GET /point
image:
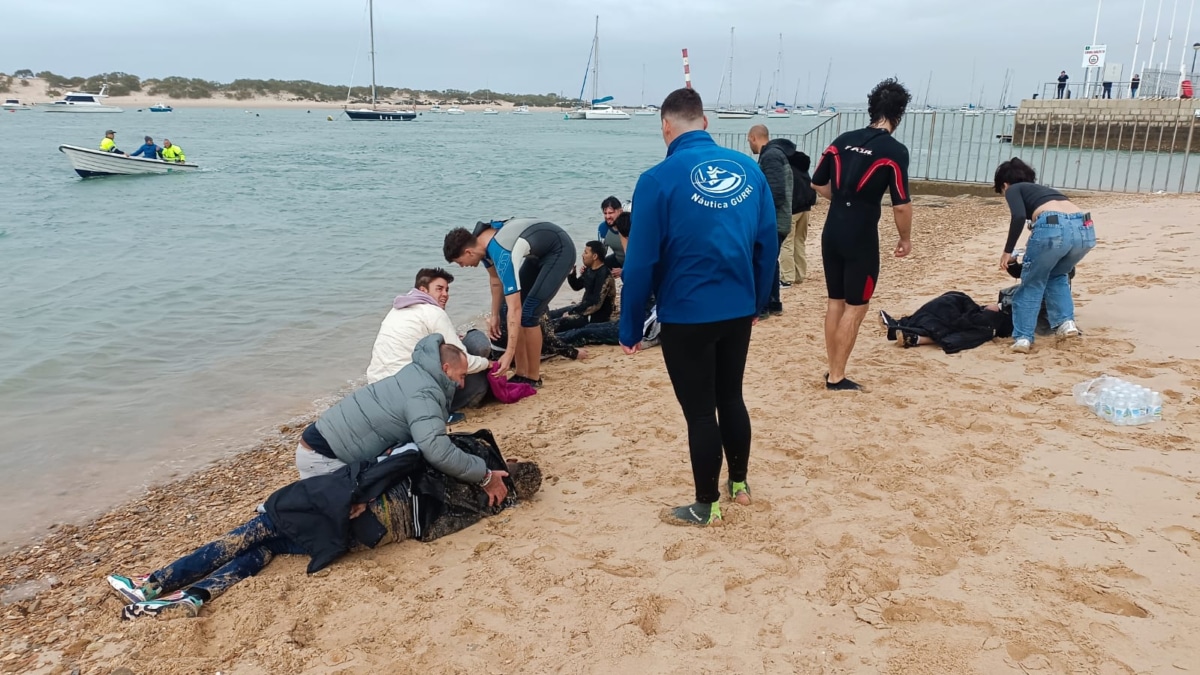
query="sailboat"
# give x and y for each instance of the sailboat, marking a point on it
(645, 110)
(729, 112)
(925, 109)
(830, 111)
(599, 109)
(780, 111)
(374, 113)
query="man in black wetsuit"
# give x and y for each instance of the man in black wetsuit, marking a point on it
(853, 174)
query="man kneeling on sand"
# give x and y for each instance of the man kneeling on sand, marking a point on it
(408, 407)
(365, 504)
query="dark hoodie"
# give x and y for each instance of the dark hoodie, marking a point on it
(773, 160)
(803, 194)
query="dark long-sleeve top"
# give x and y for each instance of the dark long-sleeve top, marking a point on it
(1023, 199)
(599, 292)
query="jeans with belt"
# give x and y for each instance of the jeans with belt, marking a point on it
(1058, 242)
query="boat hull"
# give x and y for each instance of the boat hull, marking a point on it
(381, 115)
(735, 115)
(89, 163)
(67, 108)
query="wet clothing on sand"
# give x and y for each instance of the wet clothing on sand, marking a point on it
(859, 166)
(954, 321)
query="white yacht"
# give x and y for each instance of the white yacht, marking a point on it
(455, 110)
(490, 111)
(436, 109)
(728, 112)
(521, 110)
(13, 104)
(604, 112)
(779, 113)
(82, 102)
(646, 111)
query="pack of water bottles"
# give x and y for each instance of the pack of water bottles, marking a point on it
(1123, 403)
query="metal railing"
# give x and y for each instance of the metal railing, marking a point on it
(1107, 90)
(1148, 155)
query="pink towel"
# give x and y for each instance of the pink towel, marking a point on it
(505, 391)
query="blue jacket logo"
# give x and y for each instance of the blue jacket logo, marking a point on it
(719, 178)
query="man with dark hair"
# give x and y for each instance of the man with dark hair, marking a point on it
(612, 208)
(773, 160)
(528, 260)
(422, 312)
(793, 259)
(599, 292)
(854, 172)
(408, 407)
(705, 246)
(1062, 83)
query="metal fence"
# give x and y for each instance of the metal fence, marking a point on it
(1154, 154)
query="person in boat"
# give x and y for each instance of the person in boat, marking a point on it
(172, 153)
(109, 143)
(365, 505)
(148, 150)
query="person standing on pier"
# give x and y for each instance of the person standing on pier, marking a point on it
(853, 174)
(1134, 83)
(1062, 83)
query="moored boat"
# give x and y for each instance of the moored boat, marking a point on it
(14, 104)
(82, 102)
(161, 107)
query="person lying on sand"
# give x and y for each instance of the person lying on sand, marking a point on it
(952, 321)
(361, 505)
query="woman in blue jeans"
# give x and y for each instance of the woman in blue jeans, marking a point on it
(1062, 234)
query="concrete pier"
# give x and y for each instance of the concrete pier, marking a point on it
(1105, 124)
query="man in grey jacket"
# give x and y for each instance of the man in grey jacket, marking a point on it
(773, 160)
(408, 407)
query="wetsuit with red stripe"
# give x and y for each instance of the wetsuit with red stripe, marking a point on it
(859, 167)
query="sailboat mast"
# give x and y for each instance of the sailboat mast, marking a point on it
(371, 5)
(643, 103)
(730, 77)
(596, 62)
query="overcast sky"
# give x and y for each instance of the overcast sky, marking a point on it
(542, 45)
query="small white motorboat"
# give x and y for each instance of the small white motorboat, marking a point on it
(14, 104)
(82, 102)
(646, 111)
(521, 110)
(161, 107)
(89, 163)
(490, 111)
(455, 110)
(436, 109)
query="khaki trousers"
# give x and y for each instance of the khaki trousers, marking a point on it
(793, 263)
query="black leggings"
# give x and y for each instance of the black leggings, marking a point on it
(706, 362)
(541, 278)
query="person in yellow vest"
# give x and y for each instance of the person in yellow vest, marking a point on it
(172, 153)
(108, 144)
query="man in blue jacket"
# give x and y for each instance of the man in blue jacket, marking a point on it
(148, 150)
(703, 241)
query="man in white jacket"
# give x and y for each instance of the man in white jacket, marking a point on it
(422, 312)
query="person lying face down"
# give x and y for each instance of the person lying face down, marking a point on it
(364, 504)
(952, 321)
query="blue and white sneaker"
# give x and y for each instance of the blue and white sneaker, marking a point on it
(132, 589)
(175, 605)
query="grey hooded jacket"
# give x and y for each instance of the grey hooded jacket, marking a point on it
(410, 406)
(773, 160)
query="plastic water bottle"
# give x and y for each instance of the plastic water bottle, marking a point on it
(1156, 405)
(1121, 410)
(1137, 408)
(1106, 404)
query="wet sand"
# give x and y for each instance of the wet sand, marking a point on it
(962, 516)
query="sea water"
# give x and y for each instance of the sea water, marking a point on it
(152, 324)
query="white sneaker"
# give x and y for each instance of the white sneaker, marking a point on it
(1021, 346)
(1067, 329)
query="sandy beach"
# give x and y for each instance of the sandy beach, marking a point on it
(961, 516)
(35, 93)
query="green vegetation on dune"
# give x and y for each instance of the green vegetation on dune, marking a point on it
(122, 84)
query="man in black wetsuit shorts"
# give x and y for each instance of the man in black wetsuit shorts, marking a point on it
(853, 174)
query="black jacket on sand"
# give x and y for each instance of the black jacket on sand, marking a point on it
(957, 323)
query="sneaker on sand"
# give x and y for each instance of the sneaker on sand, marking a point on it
(697, 515)
(175, 605)
(1067, 329)
(739, 490)
(1021, 346)
(132, 589)
(521, 379)
(785, 284)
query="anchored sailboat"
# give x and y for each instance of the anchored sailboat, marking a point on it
(374, 113)
(728, 112)
(599, 108)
